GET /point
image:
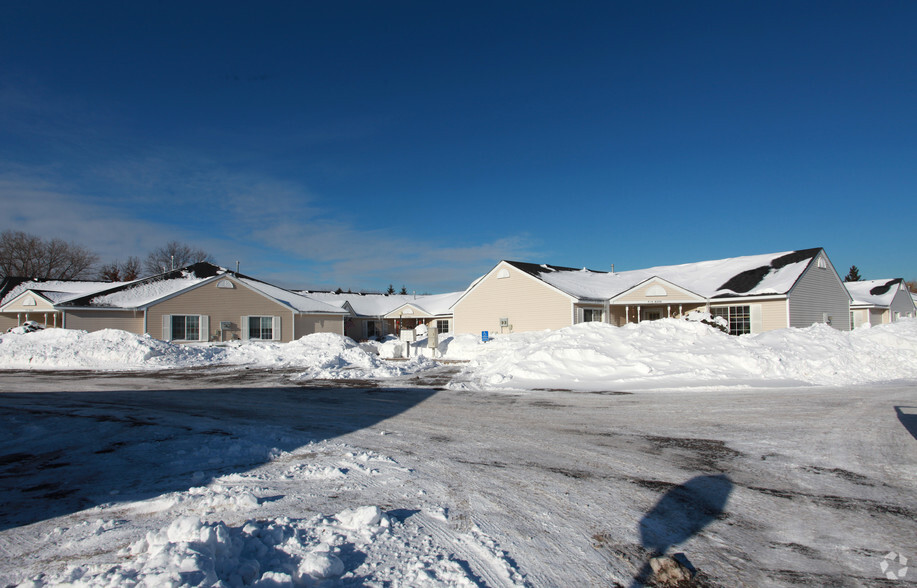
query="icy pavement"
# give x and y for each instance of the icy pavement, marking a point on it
(209, 478)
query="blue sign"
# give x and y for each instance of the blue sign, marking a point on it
(484, 336)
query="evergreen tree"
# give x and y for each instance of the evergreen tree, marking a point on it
(404, 290)
(853, 275)
(391, 289)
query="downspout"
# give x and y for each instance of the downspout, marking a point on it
(293, 314)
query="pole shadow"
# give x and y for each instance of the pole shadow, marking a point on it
(681, 513)
(909, 420)
(63, 452)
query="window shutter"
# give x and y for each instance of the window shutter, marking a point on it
(167, 327)
(275, 329)
(204, 328)
(244, 326)
(757, 322)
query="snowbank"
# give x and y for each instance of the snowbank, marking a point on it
(670, 353)
(322, 355)
(662, 354)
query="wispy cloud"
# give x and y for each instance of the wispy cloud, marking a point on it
(260, 220)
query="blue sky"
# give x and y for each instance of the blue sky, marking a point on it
(357, 144)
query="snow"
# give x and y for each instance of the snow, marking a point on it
(862, 295)
(663, 354)
(57, 290)
(377, 305)
(529, 466)
(704, 278)
(145, 292)
(296, 301)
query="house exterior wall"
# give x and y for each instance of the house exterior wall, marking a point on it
(8, 321)
(306, 324)
(902, 305)
(766, 315)
(859, 317)
(96, 320)
(878, 316)
(644, 295)
(222, 304)
(819, 293)
(17, 305)
(529, 304)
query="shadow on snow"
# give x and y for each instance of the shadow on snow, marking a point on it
(64, 452)
(681, 513)
(909, 420)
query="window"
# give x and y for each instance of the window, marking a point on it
(372, 329)
(442, 326)
(592, 315)
(186, 327)
(261, 327)
(739, 318)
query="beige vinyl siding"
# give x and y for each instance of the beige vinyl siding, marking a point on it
(529, 304)
(7, 322)
(819, 292)
(878, 316)
(306, 324)
(773, 314)
(767, 315)
(41, 305)
(643, 294)
(96, 320)
(221, 304)
(860, 317)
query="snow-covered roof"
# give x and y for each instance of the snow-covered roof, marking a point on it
(375, 305)
(57, 290)
(294, 300)
(874, 292)
(751, 275)
(145, 292)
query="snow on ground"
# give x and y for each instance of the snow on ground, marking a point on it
(664, 354)
(791, 471)
(676, 354)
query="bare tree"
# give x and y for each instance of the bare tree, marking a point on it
(174, 255)
(26, 255)
(117, 271)
(911, 285)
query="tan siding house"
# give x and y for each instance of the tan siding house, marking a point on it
(752, 293)
(877, 302)
(224, 302)
(509, 300)
(204, 302)
(96, 320)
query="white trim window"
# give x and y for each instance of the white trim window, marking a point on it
(261, 328)
(592, 315)
(738, 317)
(442, 326)
(185, 327)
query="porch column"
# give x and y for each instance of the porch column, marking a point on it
(638, 314)
(668, 310)
(626, 314)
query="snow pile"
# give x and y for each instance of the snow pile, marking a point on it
(683, 354)
(105, 349)
(322, 355)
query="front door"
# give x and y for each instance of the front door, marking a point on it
(652, 315)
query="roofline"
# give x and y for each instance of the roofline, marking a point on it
(524, 272)
(660, 278)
